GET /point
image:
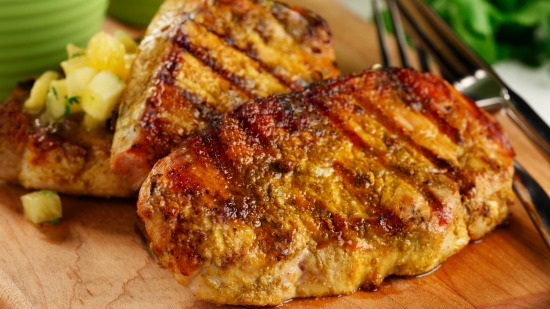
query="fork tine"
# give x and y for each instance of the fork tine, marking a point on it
(381, 33)
(395, 12)
(398, 28)
(399, 32)
(422, 58)
(451, 62)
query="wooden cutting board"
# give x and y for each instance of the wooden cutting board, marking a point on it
(95, 258)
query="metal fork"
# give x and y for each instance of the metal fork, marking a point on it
(532, 196)
(469, 73)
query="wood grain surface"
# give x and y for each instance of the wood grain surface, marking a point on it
(96, 258)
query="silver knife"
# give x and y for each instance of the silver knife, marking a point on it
(535, 200)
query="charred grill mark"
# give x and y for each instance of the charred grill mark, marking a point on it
(332, 112)
(392, 127)
(391, 222)
(359, 184)
(161, 137)
(421, 99)
(435, 203)
(207, 112)
(241, 203)
(329, 227)
(167, 74)
(249, 51)
(333, 115)
(259, 124)
(349, 177)
(493, 129)
(216, 151)
(310, 24)
(245, 13)
(184, 42)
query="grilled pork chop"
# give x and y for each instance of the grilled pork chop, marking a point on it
(201, 58)
(322, 192)
(62, 156)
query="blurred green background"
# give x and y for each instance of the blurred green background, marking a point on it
(501, 29)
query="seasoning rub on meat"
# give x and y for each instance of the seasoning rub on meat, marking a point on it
(324, 191)
(201, 58)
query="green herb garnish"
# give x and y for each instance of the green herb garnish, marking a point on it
(70, 101)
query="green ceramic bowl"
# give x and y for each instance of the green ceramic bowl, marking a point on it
(134, 12)
(34, 34)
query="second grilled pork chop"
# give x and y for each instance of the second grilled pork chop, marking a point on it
(201, 58)
(328, 190)
(61, 156)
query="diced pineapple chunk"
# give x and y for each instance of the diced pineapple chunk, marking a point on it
(75, 51)
(35, 103)
(105, 52)
(84, 89)
(78, 80)
(56, 100)
(129, 43)
(41, 206)
(102, 94)
(73, 64)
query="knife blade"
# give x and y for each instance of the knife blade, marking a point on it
(536, 201)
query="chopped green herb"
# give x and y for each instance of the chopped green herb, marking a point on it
(70, 101)
(73, 100)
(55, 92)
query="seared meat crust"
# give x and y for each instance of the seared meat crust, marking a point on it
(62, 156)
(321, 192)
(201, 58)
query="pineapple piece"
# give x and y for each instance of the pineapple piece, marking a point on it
(102, 94)
(129, 43)
(75, 51)
(35, 103)
(78, 80)
(56, 100)
(41, 206)
(105, 52)
(73, 64)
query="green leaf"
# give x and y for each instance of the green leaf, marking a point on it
(500, 29)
